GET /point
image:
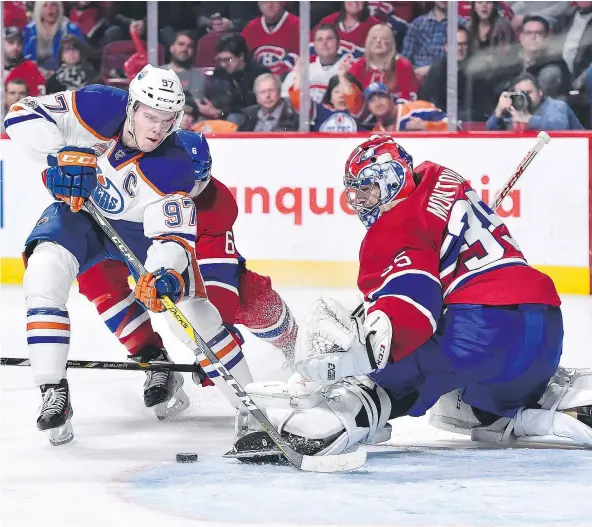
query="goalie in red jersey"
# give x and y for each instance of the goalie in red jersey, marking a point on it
(452, 313)
(240, 295)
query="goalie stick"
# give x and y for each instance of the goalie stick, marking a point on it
(113, 365)
(330, 463)
(543, 139)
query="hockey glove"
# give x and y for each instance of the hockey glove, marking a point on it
(334, 344)
(72, 175)
(151, 287)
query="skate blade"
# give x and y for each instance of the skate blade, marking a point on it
(61, 435)
(174, 406)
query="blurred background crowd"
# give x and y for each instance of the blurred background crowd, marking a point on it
(372, 65)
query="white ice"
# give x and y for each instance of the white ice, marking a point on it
(120, 469)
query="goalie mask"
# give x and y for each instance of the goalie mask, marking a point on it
(378, 175)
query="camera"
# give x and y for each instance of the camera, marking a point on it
(521, 101)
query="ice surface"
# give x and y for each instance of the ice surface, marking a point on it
(120, 469)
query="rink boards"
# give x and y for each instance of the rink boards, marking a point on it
(295, 225)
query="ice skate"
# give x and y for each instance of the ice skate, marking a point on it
(55, 413)
(252, 444)
(163, 390)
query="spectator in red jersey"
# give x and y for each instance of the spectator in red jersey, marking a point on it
(407, 11)
(353, 22)
(15, 15)
(16, 66)
(91, 18)
(488, 28)
(273, 39)
(383, 64)
(396, 15)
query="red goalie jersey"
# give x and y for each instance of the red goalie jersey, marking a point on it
(442, 245)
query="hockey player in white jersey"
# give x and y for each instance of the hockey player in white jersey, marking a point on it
(118, 149)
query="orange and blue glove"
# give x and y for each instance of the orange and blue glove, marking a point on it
(151, 287)
(72, 175)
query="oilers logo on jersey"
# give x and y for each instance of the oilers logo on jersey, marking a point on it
(107, 196)
(339, 122)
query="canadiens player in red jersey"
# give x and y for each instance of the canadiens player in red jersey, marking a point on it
(240, 295)
(451, 306)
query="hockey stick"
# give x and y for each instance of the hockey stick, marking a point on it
(329, 463)
(543, 139)
(99, 365)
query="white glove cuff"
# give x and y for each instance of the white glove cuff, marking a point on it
(379, 334)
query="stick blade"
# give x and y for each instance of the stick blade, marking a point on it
(336, 463)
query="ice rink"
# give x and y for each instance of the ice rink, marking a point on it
(120, 470)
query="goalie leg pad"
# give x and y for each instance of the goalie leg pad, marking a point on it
(320, 421)
(452, 414)
(563, 419)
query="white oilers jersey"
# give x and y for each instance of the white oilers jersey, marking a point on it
(318, 79)
(142, 188)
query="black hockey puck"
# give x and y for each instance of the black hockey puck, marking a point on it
(186, 458)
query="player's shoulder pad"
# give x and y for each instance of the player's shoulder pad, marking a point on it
(169, 167)
(101, 108)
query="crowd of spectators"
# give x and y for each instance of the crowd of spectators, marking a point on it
(374, 65)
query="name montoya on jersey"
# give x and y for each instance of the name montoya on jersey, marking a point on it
(137, 189)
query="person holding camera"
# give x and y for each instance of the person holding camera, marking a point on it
(527, 108)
